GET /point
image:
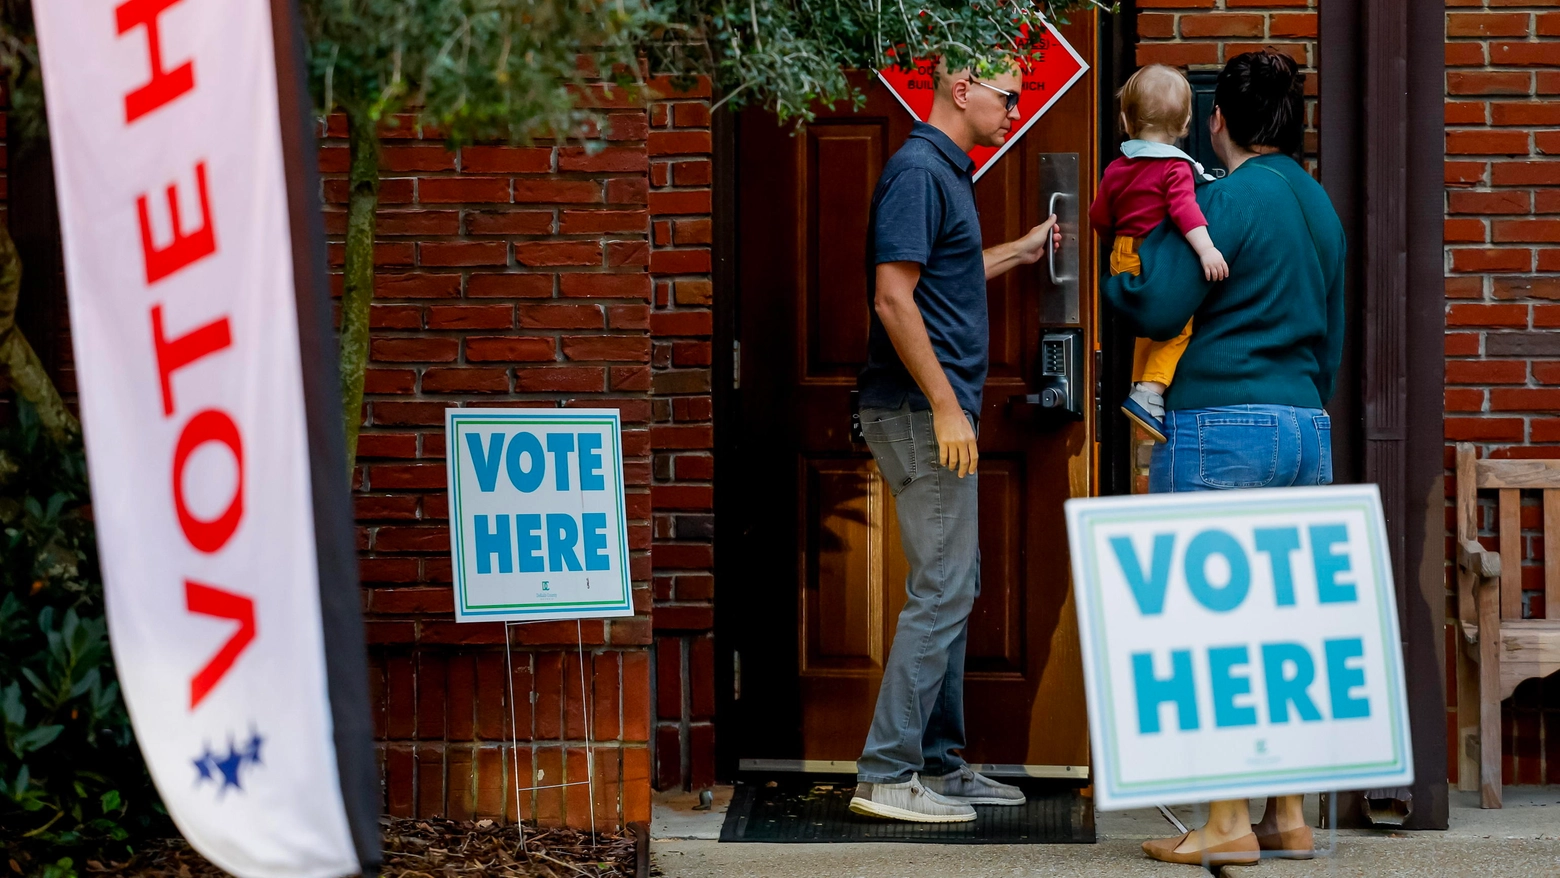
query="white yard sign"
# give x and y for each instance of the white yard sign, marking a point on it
(1239, 644)
(537, 525)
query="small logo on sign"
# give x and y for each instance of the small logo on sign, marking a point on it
(226, 770)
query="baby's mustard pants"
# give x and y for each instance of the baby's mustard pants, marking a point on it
(1151, 360)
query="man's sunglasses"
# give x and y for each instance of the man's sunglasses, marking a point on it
(1011, 96)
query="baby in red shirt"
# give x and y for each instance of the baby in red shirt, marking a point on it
(1151, 181)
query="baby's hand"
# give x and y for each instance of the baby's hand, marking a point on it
(1213, 265)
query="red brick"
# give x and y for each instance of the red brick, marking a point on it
(1487, 315)
(1222, 24)
(1499, 201)
(1486, 372)
(1465, 231)
(1526, 287)
(1548, 260)
(1463, 400)
(384, 507)
(1539, 173)
(693, 114)
(628, 316)
(682, 436)
(388, 569)
(679, 143)
(1476, 24)
(406, 476)
(1546, 201)
(392, 445)
(510, 222)
(1487, 142)
(456, 190)
(692, 201)
(1524, 54)
(606, 347)
(1484, 429)
(1488, 82)
(1465, 287)
(1531, 113)
(1465, 54)
(510, 286)
(1546, 316)
(509, 349)
(557, 191)
(561, 317)
(678, 556)
(557, 253)
(1465, 112)
(456, 253)
(408, 414)
(676, 617)
(619, 159)
(627, 190)
(1534, 230)
(634, 254)
(413, 350)
(669, 323)
(1292, 24)
(626, 126)
(1547, 142)
(1546, 372)
(465, 381)
(1546, 82)
(685, 497)
(1465, 173)
(412, 539)
(591, 222)
(692, 173)
(416, 286)
(1462, 344)
(604, 286)
(505, 160)
(667, 87)
(1546, 430)
(560, 379)
(1175, 4)
(405, 601)
(680, 262)
(389, 381)
(416, 158)
(470, 317)
(1547, 24)
(417, 222)
(1476, 259)
(1523, 399)
(1296, 51)
(1155, 25)
(691, 354)
(1178, 54)
(395, 317)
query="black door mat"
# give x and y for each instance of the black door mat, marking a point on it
(798, 809)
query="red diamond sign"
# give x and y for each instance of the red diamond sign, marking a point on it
(1053, 70)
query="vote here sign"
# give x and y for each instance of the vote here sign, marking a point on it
(537, 527)
(1239, 644)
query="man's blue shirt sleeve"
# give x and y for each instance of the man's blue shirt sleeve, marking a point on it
(909, 215)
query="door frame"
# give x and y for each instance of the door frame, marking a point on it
(1113, 469)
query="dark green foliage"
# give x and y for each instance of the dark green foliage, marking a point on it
(72, 781)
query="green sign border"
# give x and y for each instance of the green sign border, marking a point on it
(459, 418)
(1330, 776)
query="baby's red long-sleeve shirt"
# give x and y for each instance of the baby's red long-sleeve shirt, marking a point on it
(1135, 195)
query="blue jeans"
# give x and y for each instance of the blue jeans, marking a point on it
(1242, 446)
(918, 724)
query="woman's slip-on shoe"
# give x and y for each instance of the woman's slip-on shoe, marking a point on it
(1295, 844)
(1242, 851)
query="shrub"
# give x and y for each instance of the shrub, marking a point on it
(72, 781)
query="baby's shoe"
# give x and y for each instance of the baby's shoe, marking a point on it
(1146, 409)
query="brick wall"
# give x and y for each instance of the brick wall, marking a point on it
(682, 437)
(1503, 292)
(1204, 34)
(512, 277)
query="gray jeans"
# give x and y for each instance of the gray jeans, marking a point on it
(919, 720)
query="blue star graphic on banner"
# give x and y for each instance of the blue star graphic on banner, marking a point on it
(226, 770)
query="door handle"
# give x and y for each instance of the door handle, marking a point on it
(1051, 248)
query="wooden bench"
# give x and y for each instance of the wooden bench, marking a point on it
(1498, 649)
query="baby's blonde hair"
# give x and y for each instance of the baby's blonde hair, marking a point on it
(1157, 98)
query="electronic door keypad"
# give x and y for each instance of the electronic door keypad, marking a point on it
(1059, 378)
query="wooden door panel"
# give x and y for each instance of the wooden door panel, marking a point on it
(824, 566)
(844, 161)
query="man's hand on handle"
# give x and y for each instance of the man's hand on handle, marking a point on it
(1028, 250)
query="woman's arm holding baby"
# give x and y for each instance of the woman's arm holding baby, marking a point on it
(1181, 197)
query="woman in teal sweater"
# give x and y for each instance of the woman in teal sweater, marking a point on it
(1245, 407)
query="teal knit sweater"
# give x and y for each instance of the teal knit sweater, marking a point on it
(1271, 333)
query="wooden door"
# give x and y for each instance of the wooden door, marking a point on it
(822, 571)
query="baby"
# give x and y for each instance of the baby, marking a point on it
(1152, 180)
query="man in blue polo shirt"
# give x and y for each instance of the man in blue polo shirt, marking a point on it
(920, 407)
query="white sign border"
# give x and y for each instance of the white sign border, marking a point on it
(453, 417)
(1108, 796)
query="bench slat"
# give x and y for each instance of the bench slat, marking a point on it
(1519, 473)
(1510, 553)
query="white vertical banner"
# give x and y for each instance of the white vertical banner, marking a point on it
(168, 143)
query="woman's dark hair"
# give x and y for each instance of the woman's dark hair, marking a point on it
(1262, 97)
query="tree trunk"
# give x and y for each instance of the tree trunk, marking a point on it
(358, 280)
(18, 359)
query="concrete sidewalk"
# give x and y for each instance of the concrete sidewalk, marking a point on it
(1521, 840)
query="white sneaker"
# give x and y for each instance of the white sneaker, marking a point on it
(909, 801)
(973, 788)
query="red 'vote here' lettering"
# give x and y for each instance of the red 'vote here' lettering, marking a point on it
(165, 85)
(185, 249)
(175, 354)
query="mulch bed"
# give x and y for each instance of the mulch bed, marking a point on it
(430, 848)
